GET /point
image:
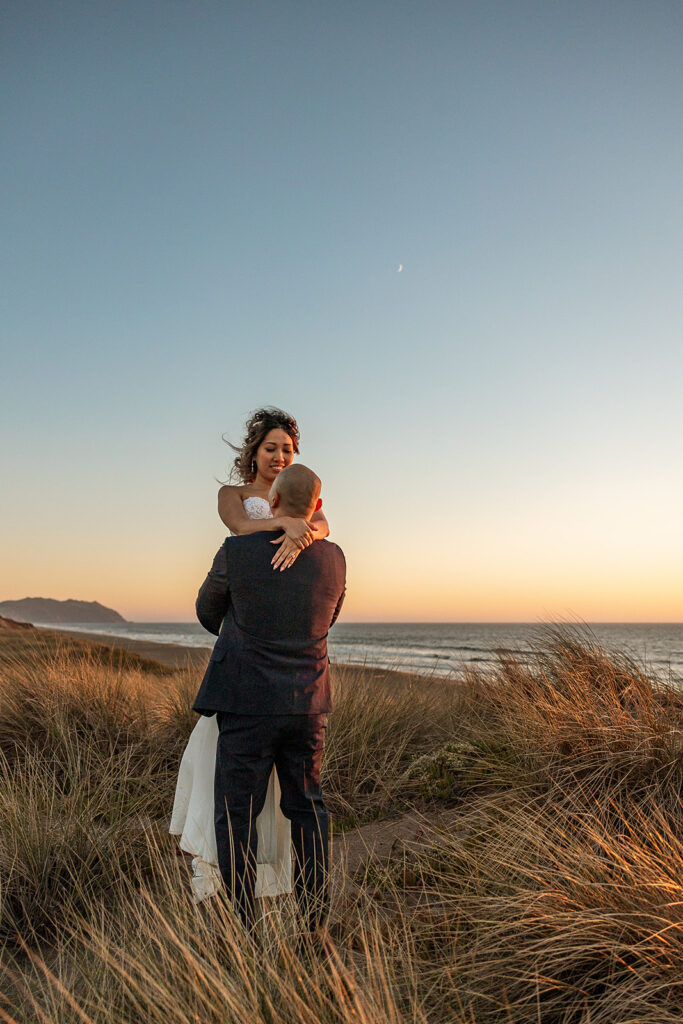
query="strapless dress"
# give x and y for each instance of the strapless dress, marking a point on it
(192, 817)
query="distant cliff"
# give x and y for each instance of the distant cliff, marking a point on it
(46, 610)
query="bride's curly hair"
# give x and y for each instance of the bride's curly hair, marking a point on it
(259, 424)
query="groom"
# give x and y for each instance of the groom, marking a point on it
(268, 681)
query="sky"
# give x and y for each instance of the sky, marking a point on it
(205, 206)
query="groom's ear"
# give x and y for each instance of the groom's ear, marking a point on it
(318, 505)
(274, 500)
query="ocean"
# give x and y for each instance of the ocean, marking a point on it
(440, 648)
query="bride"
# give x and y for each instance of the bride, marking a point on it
(271, 441)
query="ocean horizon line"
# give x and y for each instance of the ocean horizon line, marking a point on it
(423, 622)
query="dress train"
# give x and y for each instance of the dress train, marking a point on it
(193, 820)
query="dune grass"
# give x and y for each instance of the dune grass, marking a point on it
(555, 894)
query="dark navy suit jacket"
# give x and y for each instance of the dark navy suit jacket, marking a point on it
(271, 654)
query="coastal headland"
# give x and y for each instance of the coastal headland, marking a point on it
(48, 611)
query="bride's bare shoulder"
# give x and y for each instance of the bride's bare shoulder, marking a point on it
(231, 503)
(230, 490)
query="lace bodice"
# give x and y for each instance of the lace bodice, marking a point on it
(257, 508)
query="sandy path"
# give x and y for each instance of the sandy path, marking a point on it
(379, 840)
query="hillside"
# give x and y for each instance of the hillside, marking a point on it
(13, 624)
(47, 610)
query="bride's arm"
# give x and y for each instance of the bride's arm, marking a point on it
(322, 527)
(288, 550)
(231, 511)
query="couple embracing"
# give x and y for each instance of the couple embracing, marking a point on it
(248, 790)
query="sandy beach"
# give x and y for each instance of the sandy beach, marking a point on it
(171, 655)
(177, 656)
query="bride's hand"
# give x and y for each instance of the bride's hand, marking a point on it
(299, 533)
(286, 555)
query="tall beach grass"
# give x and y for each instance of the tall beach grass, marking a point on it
(554, 894)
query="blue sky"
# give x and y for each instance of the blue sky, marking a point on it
(205, 206)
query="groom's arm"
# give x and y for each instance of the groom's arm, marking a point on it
(342, 595)
(213, 599)
(340, 602)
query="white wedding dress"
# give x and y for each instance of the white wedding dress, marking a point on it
(193, 808)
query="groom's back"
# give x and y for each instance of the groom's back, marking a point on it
(295, 605)
(271, 654)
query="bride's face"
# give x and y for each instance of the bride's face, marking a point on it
(275, 452)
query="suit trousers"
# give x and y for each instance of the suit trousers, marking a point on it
(248, 747)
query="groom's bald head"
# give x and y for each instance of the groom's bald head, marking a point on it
(295, 492)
